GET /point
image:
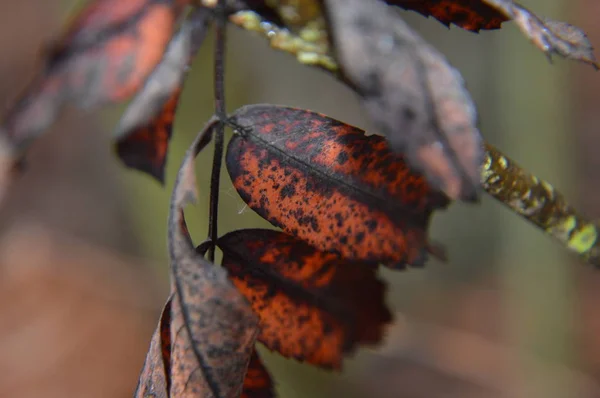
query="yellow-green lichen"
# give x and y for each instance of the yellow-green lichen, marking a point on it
(311, 52)
(583, 240)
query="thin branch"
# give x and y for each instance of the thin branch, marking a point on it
(221, 113)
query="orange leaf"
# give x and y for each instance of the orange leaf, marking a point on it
(145, 129)
(105, 56)
(313, 306)
(331, 185)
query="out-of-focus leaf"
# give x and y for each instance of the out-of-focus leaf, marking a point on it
(145, 129)
(411, 92)
(212, 327)
(155, 376)
(145, 147)
(548, 35)
(258, 383)
(105, 56)
(471, 15)
(313, 306)
(329, 184)
(552, 37)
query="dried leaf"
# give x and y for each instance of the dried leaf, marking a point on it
(155, 373)
(212, 327)
(145, 129)
(330, 185)
(145, 146)
(548, 35)
(552, 37)
(413, 95)
(105, 56)
(313, 306)
(258, 383)
(472, 15)
(154, 379)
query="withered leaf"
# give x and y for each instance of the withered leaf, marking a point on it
(552, 37)
(313, 306)
(258, 383)
(331, 185)
(212, 327)
(471, 15)
(548, 35)
(411, 92)
(105, 56)
(145, 129)
(154, 379)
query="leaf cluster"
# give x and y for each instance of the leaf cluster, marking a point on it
(344, 202)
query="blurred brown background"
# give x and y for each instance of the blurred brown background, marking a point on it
(83, 270)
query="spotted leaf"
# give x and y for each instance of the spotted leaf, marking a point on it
(331, 185)
(313, 306)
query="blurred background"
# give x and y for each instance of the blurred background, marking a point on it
(83, 262)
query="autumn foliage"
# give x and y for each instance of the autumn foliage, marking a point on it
(346, 202)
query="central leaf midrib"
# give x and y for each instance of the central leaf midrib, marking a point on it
(397, 208)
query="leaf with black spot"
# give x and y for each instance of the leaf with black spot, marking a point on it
(313, 306)
(329, 184)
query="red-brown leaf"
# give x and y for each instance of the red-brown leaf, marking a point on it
(145, 129)
(105, 56)
(331, 185)
(155, 376)
(258, 383)
(313, 306)
(471, 15)
(145, 147)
